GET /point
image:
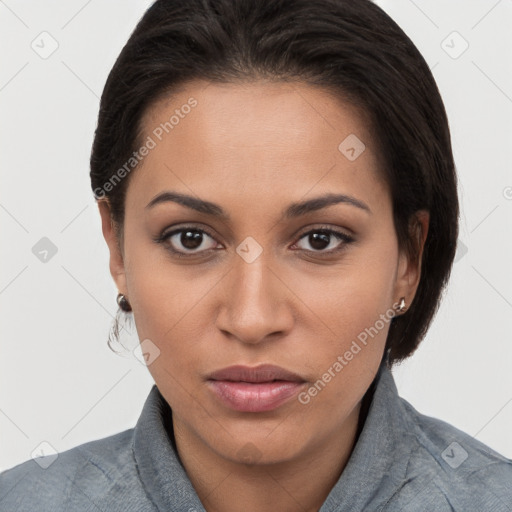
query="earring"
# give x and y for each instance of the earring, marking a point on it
(123, 302)
(401, 307)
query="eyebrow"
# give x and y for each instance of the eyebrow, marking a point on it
(294, 210)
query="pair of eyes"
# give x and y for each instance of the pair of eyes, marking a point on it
(194, 240)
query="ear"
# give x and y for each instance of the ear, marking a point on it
(117, 269)
(409, 263)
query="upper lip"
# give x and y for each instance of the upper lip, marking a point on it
(261, 373)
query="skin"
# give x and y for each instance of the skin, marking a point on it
(253, 149)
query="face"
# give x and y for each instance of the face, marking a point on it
(278, 249)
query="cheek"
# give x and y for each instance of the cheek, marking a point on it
(161, 293)
(167, 306)
(348, 334)
(168, 311)
(168, 303)
(351, 296)
(352, 313)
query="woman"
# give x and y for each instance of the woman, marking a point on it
(278, 194)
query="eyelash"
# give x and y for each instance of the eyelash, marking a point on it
(343, 237)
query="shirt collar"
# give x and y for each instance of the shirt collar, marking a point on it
(377, 464)
(162, 475)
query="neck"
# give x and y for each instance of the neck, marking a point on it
(299, 483)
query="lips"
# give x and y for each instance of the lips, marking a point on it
(262, 373)
(254, 389)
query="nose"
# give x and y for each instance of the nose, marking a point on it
(255, 303)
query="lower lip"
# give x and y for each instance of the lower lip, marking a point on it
(254, 397)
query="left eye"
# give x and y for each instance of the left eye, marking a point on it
(322, 239)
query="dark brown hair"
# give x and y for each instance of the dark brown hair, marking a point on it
(352, 48)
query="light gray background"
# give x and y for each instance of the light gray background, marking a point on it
(60, 383)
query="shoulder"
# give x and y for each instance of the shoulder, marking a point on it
(448, 467)
(77, 479)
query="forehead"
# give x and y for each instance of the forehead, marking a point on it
(260, 136)
(267, 113)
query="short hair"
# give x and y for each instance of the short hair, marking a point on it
(352, 48)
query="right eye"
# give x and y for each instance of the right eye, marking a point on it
(187, 241)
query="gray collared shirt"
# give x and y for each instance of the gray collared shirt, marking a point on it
(402, 461)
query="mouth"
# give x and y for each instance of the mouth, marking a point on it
(254, 389)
